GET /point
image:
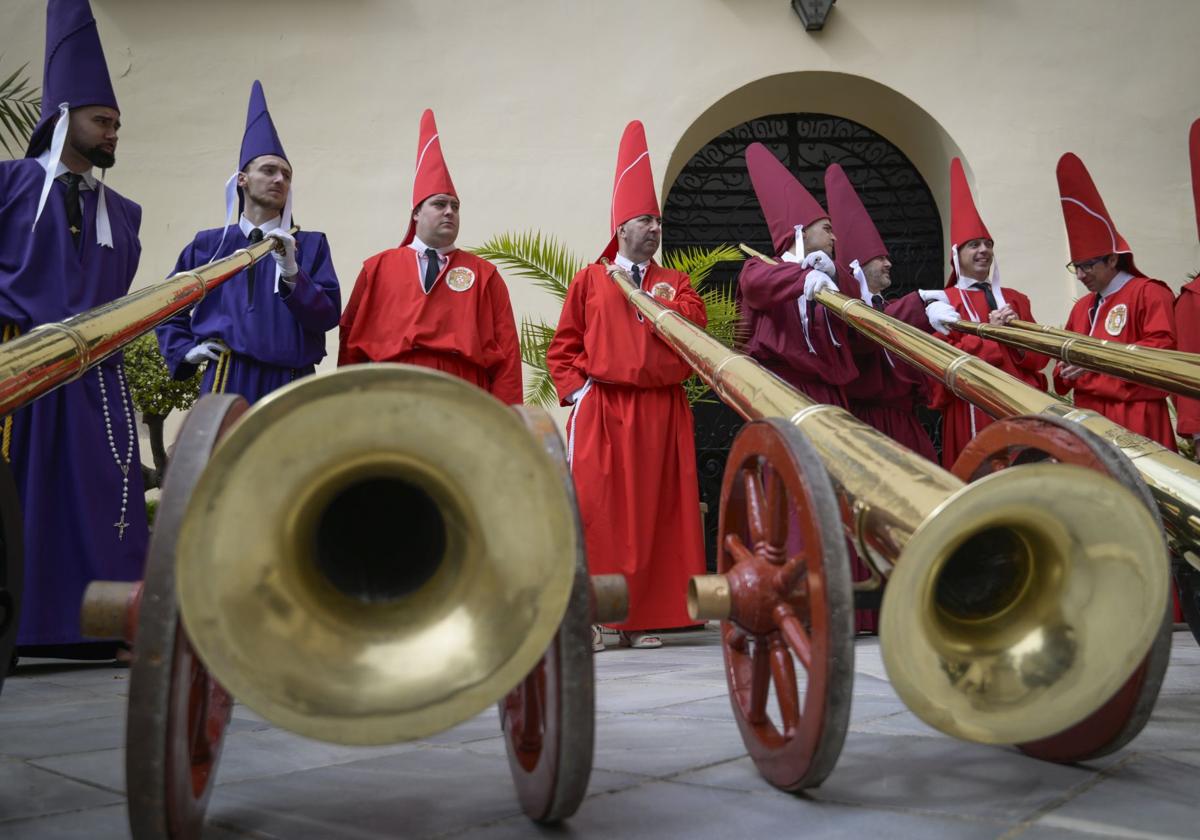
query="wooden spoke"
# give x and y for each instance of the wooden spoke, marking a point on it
(783, 673)
(797, 640)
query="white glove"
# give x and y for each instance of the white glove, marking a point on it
(930, 295)
(941, 315)
(286, 260)
(207, 349)
(821, 262)
(815, 281)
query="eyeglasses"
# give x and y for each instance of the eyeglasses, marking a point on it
(1086, 265)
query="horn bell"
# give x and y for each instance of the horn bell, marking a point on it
(998, 621)
(375, 554)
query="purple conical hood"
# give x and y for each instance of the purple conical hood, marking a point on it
(260, 137)
(76, 72)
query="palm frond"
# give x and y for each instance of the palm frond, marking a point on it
(540, 391)
(535, 340)
(724, 317)
(698, 263)
(20, 107)
(542, 259)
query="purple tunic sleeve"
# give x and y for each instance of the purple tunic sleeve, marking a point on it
(315, 298)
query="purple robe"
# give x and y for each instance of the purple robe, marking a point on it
(274, 337)
(68, 479)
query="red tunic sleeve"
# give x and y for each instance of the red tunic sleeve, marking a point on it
(566, 357)
(505, 369)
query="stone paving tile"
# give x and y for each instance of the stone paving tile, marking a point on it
(635, 695)
(930, 775)
(415, 794)
(714, 708)
(68, 736)
(1072, 829)
(246, 755)
(665, 810)
(1144, 794)
(650, 746)
(27, 791)
(108, 823)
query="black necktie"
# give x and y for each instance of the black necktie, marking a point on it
(1092, 312)
(256, 235)
(74, 210)
(877, 302)
(636, 272)
(986, 288)
(432, 268)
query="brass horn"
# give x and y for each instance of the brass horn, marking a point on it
(1017, 604)
(375, 554)
(1171, 370)
(53, 354)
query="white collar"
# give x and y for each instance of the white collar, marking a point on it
(89, 179)
(52, 159)
(420, 247)
(266, 227)
(1116, 284)
(626, 263)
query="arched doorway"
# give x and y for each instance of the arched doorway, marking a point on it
(712, 202)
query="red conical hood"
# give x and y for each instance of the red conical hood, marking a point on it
(784, 200)
(857, 236)
(431, 176)
(633, 185)
(1090, 230)
(965, 222)
(1194, 153)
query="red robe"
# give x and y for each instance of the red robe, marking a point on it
(1142, 312)
(464, 326)
(961, 421)
(631, 443)
(888, 389)
(1187, 323)
(770, 297)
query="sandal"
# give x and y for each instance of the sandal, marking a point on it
(597, 639)
(640, 641)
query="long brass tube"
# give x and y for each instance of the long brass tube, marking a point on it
(1170, 370)
(897, 504)
(1173, 480)
(53, 354)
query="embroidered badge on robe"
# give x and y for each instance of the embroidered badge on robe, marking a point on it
(663, 291)
(460, 279)
(1117, 316)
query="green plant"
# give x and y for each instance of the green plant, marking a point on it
(20, 106)
(550, 265)
(155, 395)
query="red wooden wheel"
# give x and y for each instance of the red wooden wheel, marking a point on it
(1020, 440)
(177, 713)
(782, 550)
(549, 718)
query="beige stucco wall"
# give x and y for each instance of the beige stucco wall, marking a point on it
(531, 97)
